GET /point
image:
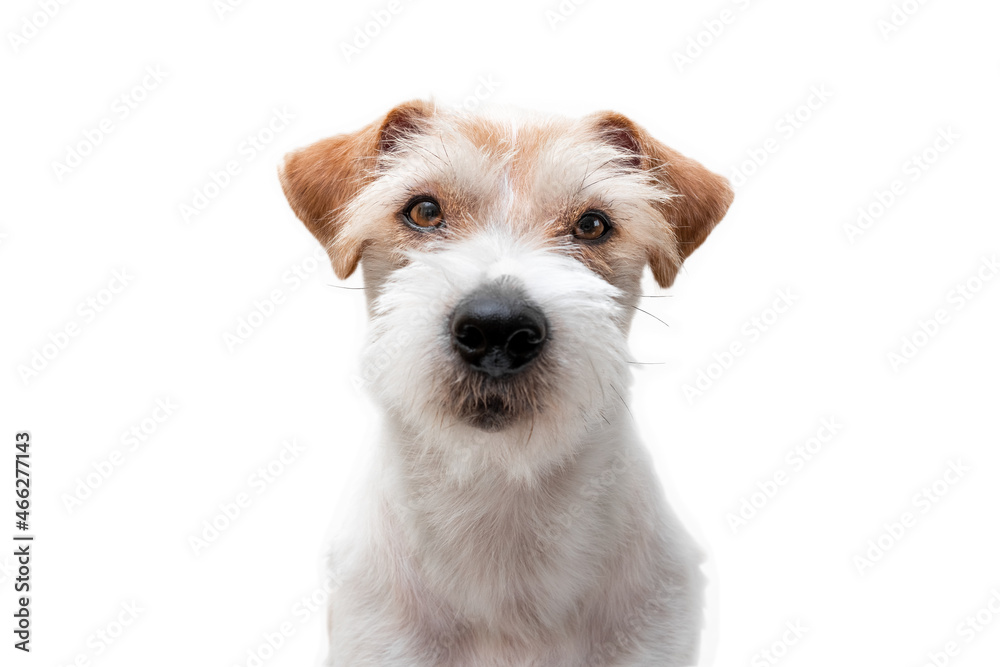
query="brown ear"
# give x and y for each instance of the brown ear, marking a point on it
(320, 180)
(700, 199)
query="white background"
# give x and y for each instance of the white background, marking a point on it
(887, 96)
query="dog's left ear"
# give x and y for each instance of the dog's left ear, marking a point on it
(320, 180)
(699, 198)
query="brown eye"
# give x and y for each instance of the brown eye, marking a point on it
(591, 226)
(424, 214)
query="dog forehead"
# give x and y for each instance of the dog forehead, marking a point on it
(526, 151)
(516, 139)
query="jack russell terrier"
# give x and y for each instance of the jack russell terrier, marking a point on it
(512, 516)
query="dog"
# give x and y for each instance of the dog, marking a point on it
(512, 516)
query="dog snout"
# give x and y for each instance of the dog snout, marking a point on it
(498, 331)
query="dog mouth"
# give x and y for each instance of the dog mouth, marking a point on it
(489, 414)
(493, 404)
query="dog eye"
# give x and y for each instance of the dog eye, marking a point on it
(591, 226)
(424, 214)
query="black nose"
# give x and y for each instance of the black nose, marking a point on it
(496, 331)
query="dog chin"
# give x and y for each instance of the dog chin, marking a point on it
(492, 404)
(491, 417)
(490, 414)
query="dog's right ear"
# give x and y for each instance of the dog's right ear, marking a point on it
(320, 180)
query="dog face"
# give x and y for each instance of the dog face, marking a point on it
(502, 260)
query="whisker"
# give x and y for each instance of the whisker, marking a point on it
(622, 400)
(427, 151)
(652, 315)
(590, 172)
(600, 180)
(649, 296)
(648, 363)
(445, 149)
(597, 376)
(342, 286)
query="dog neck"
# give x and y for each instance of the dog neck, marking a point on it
(477, 534)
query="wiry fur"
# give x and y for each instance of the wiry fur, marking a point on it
(537, 537)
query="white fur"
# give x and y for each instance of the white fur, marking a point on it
(544, 544)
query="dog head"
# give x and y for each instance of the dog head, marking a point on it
(502, 259)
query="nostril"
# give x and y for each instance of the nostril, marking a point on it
(470, 337)
(524, 343)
